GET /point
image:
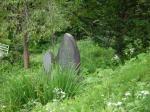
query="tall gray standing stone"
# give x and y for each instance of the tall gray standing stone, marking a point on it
(47, 61)
(68, 54)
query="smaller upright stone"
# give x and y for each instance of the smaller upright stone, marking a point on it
(1, 54)
(47, 61)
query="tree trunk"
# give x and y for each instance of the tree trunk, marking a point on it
(26, 51)
(120, 45)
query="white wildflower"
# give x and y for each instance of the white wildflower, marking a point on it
(55, 100)
(59, 93)
(55, 90)
(124, 99)
(3, 106)
(102, 95)
(145, 92)
(109, 103)
(139, 95)
(116, 57)
(126, 53)
(127, 93)
(62, 94)
(118, 104)
(142, 94)
(131, 50)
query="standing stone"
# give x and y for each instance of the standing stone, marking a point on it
(47, 61)
(68, 54)
(1, 54)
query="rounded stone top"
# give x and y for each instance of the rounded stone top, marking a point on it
(68, 35)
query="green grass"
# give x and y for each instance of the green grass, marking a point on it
(98, 88)
(127, 89)
(93, 56)
(23, 91)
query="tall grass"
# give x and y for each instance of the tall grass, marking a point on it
(24, 91)
(126, 89)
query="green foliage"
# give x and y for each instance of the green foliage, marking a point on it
(125, 89)
(43, 19)
(39, 19)
(93, 56)
(23, 91)
(116, 31)
(128, 27)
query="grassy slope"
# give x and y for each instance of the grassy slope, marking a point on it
(124, 90)
(102, 87)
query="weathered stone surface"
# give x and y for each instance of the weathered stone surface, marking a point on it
(47, 61)
(1, 54)
(68, 54)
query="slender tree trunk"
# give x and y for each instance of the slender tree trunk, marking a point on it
(25, 38)
(122, 28)
(26, 51)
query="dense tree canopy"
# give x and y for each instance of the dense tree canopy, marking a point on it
(123, 25)
(38, 20)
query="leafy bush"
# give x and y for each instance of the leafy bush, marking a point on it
(93, 56)
(24, 91)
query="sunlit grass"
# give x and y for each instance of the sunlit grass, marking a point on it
(24, 91)
(127, 89)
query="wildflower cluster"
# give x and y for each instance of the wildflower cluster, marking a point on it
(116, 104)
(116, 59)
(126, 99)
(127, 94)
(59, 94)
(130, 52)
(3, 106)
(142, 94)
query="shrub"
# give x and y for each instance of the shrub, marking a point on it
(93, 56)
